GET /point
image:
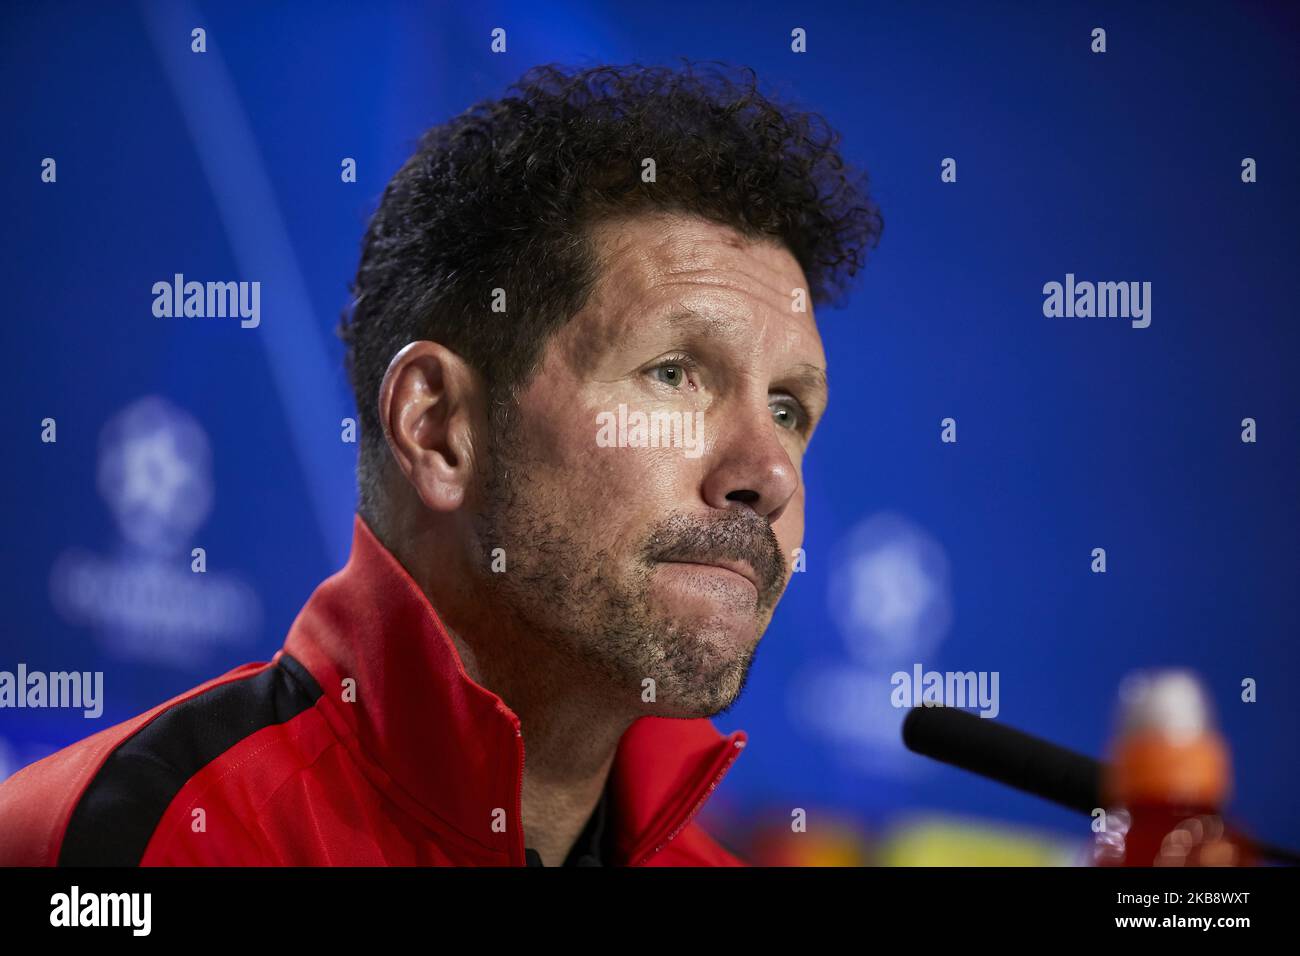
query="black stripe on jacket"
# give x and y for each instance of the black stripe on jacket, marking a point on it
(125, 801)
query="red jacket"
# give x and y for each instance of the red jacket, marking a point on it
(269, 764)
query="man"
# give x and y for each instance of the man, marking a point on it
(587, 371)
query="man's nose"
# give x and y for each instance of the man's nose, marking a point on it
(749, 464)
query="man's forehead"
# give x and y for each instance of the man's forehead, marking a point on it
(695, 276)
(638, 253)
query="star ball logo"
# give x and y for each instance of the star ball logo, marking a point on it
(889, 595)
(146, 600)
(154, 472)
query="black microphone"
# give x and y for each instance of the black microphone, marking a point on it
(1009, 756)
(1028, 763)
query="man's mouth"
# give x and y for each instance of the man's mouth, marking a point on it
(741, 569)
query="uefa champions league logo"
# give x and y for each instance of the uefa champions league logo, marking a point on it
(889, 592)
(890, 598)
(155, 473)
(146, 601)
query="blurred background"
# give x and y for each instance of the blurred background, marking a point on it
(1073, 434)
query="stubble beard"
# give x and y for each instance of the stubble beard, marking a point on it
(590, 613)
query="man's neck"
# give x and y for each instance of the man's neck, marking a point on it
(569, 738)
(570, 730)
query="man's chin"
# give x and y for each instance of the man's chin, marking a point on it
(689, 703)
(717, 641)
(703, 668)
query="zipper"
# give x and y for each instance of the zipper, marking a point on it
(519, 800)
(717, 779)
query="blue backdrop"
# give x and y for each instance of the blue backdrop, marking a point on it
(1073, 434)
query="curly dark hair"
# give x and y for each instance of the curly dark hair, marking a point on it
(504, 195)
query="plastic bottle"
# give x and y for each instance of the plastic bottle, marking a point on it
(1168, 777)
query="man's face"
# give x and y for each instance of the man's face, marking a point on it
(612, 544)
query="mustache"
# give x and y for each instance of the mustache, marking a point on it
(739, 535)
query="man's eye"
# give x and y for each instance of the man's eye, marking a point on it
(672, 375)
(674, 371)
(789, 414)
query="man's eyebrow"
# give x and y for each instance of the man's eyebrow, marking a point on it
(811, 379)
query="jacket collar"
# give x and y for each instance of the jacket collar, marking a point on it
(451, 751)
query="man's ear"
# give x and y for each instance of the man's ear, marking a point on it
(430, 404)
